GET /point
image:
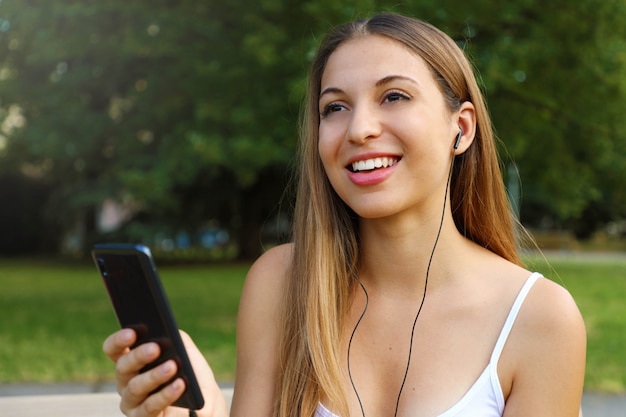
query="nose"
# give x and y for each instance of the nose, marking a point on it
(364, 125)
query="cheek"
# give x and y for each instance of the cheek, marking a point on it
(327, 165)
(327, 147)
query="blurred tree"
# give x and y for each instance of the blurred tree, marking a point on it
(21, 218)
(555, 77)
(186, 111)
(146, 102)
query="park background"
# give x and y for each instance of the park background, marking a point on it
(174, 123)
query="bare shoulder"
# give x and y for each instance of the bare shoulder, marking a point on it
(551, 311)
(265, 281)
(553, 327)
(258, 327)
(271, 267)
(261, 297)
(548, 343)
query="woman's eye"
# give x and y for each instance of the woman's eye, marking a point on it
(332, 108)
(395, 96)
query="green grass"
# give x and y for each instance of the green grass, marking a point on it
(54, 317)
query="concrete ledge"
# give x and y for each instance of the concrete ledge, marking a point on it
(69, 405)
(106, 404)
(73, 405)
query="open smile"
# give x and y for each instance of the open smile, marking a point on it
(372, 164)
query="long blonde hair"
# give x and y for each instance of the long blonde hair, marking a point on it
(325, 230)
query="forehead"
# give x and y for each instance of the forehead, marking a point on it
(372, 57)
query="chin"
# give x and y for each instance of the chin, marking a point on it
(375, 212)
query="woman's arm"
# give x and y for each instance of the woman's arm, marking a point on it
(548, 349)
(258, 334)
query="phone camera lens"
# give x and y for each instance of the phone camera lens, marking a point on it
(102, 267)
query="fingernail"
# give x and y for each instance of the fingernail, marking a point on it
(166, 367)
(127, 335)
(150, 349)
(176, 385)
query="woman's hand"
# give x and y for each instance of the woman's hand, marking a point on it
(135, 387)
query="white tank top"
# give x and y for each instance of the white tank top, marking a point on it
(484, 398)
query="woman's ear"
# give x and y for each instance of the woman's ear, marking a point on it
(466, 122)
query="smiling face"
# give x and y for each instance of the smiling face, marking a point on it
(385, 132)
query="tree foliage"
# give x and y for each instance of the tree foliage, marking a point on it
(554, 75)
(186, 111)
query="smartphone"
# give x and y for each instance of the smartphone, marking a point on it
(140, 303)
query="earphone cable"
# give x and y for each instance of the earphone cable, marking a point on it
(408, 362)
(430, 260)
(356, 326)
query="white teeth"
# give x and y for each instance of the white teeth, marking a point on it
(370, 164)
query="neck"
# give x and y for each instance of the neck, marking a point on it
(400, 251)
(395, 253)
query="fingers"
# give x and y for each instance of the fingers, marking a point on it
(130, 364)
(136, 395)
(138, 391)
(119, 343)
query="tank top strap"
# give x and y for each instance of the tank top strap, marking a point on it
(510, 320)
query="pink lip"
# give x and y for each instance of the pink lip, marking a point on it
(374, 177)
(371, 177)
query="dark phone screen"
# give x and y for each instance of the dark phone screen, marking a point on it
(134, 303)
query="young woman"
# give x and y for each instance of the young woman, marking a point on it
(402, 292)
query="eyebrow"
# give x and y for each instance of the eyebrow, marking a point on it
(381, 82)
(390, 78)
(331, 90)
